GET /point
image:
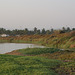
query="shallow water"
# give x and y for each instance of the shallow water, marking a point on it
(8, 47)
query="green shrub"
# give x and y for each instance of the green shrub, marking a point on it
(37, 51)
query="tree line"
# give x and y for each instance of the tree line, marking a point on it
(35, 31)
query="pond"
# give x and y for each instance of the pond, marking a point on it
(8, 47)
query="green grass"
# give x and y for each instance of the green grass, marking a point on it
(67, 68)
(28, 65)
(3, 41)
(37, 51)
(37, 65)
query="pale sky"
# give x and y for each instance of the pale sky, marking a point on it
(37, 13)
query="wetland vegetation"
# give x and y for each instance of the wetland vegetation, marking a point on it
(58, 59)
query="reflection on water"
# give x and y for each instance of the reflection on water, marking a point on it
(8, 47)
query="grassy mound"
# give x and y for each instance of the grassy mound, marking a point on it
(37, 51)
(43, 61)
(28, 65)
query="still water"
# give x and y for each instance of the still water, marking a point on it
(8, 47)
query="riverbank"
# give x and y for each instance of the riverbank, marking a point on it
(47, 52)
(55, 40)
(66, 57)
(40, 61)
(8, 47)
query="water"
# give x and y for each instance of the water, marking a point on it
(8, 47)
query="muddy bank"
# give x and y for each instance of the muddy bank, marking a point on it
(15, 52)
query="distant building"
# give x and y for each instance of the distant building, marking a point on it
(4, 35)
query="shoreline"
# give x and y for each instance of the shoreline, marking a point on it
(14, 53)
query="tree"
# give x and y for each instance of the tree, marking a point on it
(52, 30)
(38, 32)
(43, 31)
(73, 29)
(64, 29)
(15, 32)
(48, 32)
(35, 30)
(2, 30)
(26, 31)
(68, 29)
(8, 32)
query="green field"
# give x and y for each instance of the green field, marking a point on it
(28, 65)
(38, 61)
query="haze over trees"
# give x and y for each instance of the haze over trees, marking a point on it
(35, 31)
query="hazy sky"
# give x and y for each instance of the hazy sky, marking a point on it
(37, 13)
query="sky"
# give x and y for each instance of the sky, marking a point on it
(20, 14)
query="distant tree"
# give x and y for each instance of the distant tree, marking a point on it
(21, 32)
(8, 32)
(2, 30)
(68, 29)
(64, 29)
(15, 32)
(48, 32)
(30, 32)
(35, 30)
(38, 32)
(52, 30)
(26, 31)
(43, 31)
(73, 29)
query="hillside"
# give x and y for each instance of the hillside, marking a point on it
(55, 40)
(53, 61)
(59, 59)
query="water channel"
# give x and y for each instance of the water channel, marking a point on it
(8, 47)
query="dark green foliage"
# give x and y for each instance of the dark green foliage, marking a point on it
(52, 30)
(73, 29)
(43, 31)
(32, 32)
(68, 29)
(37, 51)
(48, 32)
(35, 30)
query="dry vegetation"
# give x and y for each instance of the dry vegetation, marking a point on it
(55, 40)
(56, 61)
